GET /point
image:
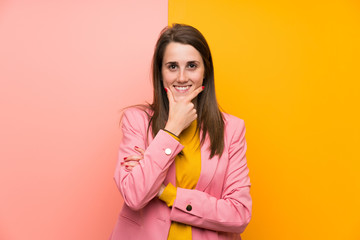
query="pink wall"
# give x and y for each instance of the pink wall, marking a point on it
(66, 69)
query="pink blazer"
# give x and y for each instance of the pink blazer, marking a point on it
(218, 208)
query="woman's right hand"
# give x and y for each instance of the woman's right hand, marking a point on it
(131, 161)
(181, 113)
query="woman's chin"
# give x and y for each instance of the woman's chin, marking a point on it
(179, 97)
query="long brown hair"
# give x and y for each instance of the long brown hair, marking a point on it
(210, 119)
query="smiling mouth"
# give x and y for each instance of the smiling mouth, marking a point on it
(182, 88)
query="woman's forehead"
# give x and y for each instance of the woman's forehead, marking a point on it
(178, 52)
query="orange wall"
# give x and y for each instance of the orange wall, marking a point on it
(290, 69)
(66, 69)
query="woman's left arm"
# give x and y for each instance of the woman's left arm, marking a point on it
(230, 213)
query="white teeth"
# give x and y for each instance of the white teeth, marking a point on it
(182, 88)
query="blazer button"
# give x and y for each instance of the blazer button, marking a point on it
(189, 208)
(168, 151)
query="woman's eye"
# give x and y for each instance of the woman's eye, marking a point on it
(192, 65)
(172, 66)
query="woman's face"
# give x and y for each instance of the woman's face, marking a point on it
(182, 69)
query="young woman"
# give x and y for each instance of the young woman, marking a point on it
(182, 169)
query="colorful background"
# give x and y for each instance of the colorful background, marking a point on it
(290, 69)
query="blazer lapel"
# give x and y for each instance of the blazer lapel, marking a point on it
(208, 166)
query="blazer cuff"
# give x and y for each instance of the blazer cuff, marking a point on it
(173, 135)
(165, 148)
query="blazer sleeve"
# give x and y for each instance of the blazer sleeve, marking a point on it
(143, 182)
(230, 213)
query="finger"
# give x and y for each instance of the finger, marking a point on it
(193, 94)
(169, 95)
(128, 168)
(131, 164)
(133, 158)
(140, 150)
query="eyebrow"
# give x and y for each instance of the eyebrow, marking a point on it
(192, 61)
(170, 63)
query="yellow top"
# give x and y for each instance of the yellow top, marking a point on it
(188, 166)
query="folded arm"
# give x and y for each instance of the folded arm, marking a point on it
(143, 182)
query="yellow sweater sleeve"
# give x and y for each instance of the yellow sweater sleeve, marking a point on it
(168, 195)
(173, 135)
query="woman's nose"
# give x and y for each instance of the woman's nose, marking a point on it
(182, 76)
